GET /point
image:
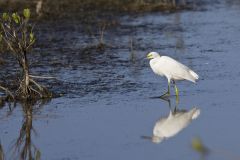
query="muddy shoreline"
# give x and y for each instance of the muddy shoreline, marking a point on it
(84, 9)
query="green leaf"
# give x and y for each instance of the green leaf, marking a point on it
(26, 13)
(16, 17)
(32, 37)
(5, 16)
(1, 37)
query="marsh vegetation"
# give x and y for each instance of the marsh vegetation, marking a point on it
(18, 38)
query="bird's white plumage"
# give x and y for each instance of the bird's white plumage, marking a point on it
(169, 126)
(172, 69)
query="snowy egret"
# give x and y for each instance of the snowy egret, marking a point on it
(171, 125)
(171, 69)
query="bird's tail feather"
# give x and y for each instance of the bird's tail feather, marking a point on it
(196, 113)
(195, 76)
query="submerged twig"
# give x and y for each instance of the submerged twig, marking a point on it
(42, 77)
(7, 91)
(132, 53)
(1, 152)
(36, 91)
(38, 85)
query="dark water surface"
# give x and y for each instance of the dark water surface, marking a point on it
(108, 104)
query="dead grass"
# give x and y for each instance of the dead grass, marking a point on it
(52, 9)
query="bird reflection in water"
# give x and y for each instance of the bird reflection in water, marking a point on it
(172, 124)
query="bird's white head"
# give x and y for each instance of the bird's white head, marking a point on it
(153, 55)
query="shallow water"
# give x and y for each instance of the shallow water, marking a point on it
(108, 103)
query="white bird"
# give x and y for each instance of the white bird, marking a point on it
(167, 127)
(171, 69)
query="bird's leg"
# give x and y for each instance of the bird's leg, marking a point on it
(177, 100)
(176, 90)
(176, 105)
(168, 92)
(168, 88)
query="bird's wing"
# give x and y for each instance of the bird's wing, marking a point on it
(173, 68)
